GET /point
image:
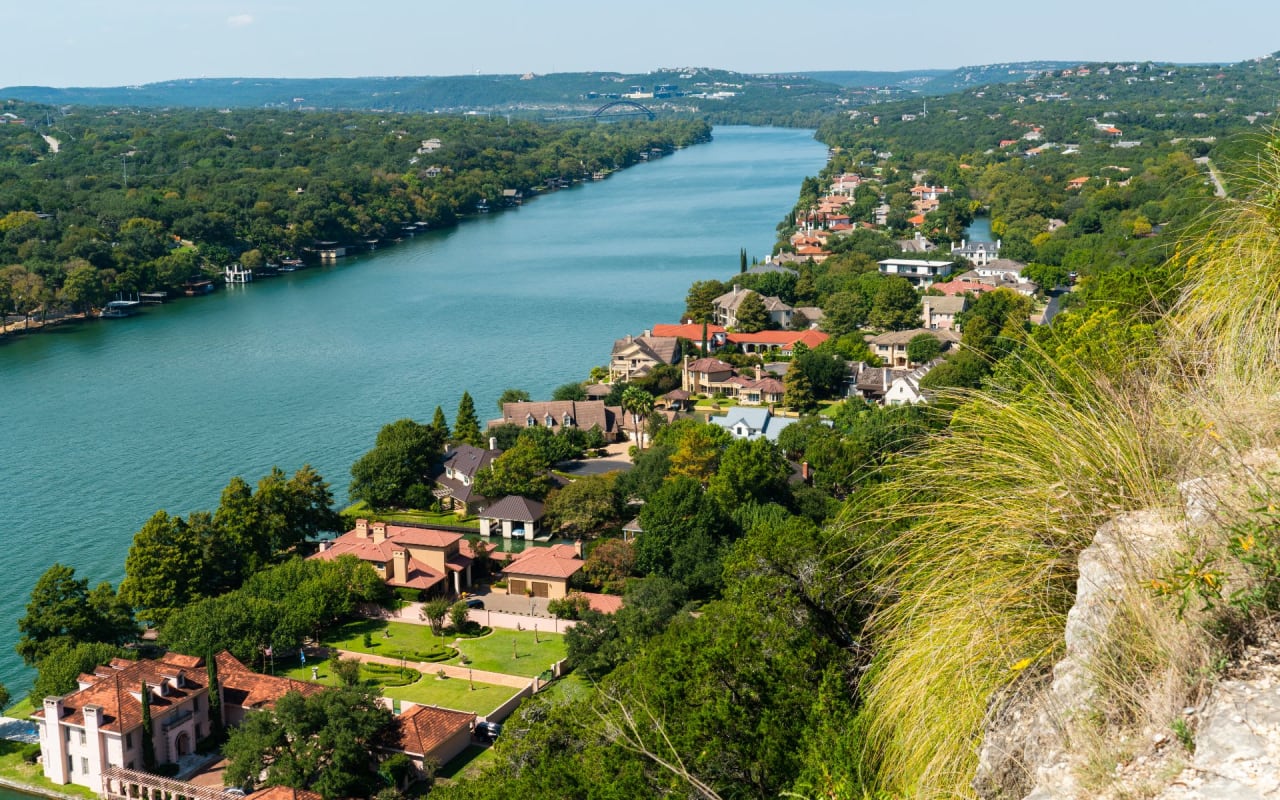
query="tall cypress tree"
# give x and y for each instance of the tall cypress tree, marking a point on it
(215, 697)
(466, 425)
(148, 742)
(439, 425)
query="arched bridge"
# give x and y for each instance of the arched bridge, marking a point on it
(621, 108)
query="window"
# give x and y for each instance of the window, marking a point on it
(84, 765)
(71, 764)
(82, 738)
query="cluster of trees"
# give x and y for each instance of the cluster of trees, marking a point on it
(143, 200)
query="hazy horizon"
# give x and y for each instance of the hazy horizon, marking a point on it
(82, 43)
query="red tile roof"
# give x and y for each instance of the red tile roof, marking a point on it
(243, 687)
(557, 561)
(604, 603)
(689, 330)
(422, 729)
(811, 339)
(709, 365)
(117, 688)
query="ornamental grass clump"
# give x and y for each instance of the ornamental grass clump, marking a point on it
(973, 552)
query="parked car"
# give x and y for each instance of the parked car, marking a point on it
(475, 602)
(488, 731)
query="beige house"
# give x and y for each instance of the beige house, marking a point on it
(726, 308)
(557, 414)
(939, 313)
(636, 356)
(891, 347)
(417, 558)
(428, 733)
(543, 571)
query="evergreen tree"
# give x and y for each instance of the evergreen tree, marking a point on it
(466, 425)
(148, 741)
(215, 696)
(742, 260)
(799, 392)
(752, 316)
(439, 425)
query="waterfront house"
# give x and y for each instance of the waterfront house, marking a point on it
(636, 356)
(557, 414)
(782, 341)
(543, 571)
(694, 331)
(978, 253)
(726, 308)
(707, 376)
(426, 559)
(454, 482)
(89, 734)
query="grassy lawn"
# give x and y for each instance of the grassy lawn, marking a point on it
(21, 709)
(467, 764)
(15, 769)
(325, 676)
(456, 693)
(389, 639)
(566, 689)
(423, 517)
(494, 652)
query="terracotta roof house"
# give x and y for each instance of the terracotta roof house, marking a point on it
(892, 347)
(416, 558)
(556, 414)
(783, 341)
(958, 287)
(512, 517)
(939, 313)
(428, 733)
(636, 356)
(752, 423)
(922, 274)
(543, 571)
(453, 482)
(726, 307)
(97, 727)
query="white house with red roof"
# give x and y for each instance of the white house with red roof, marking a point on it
(416, 558)
(782, 341)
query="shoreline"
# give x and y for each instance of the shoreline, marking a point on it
(35, 791)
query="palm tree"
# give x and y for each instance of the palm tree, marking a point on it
(639, 404)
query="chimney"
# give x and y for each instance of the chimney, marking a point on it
(400, 566)
(493, 442)
(324, 545)
(648, 332)
(577, 548)
(362, 528)
(735, 290)
(630, 338)
(379, 532)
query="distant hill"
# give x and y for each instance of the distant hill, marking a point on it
(942, 81)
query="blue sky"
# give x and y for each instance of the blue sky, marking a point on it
(114, 42)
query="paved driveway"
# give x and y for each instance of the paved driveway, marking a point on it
(614, 460)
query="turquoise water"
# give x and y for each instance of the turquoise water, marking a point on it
(107, 422)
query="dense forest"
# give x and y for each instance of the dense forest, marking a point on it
(97, 202)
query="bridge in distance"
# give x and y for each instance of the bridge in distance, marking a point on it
(618, 109)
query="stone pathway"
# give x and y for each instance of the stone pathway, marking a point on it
(452, 670)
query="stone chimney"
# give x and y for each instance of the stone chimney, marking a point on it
(379, 532)
(577, 548)
(648, 332)
(324, 544)
(400, 566)
(362, 528)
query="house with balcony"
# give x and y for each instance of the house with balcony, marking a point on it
(456, 477)
(940, 313)
(922, 274)
(636, 356)
(891, 347)
(726, 308)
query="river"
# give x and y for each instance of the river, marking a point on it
(106, 422)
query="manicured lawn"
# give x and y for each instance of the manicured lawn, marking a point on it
(325, 676)
(456, 693)
(21, 709)
(494, 652)
(424, 517)
(467, 764)
(389, 639)
(15, 769)
(566, 689)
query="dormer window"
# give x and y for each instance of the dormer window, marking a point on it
(529, 421)
(568, 420)
(550, 420)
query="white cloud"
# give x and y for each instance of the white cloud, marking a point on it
(240, 20)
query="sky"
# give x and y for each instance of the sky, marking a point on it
(124, 42)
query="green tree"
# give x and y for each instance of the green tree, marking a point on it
(896, 305)
(4, 697)
(62, 610)
(83, 288)
(523, 470)
(215, 696)
(434, 612)
(401, 459)
(163, 570)
(639, 404)
(700, 302)
(459, 616)
(798, 394)
(439, 425)
(752, 315)
(844, 313)
(301, 507)
(698, 447)
(609, 563)
(57, 672)
(750, 471)
(148, 733)
(826, 370)
(684, 536)
(323, 742)
(923, 348)
(569, 391)
(585, 506)
(512, 396)
(466, 425)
